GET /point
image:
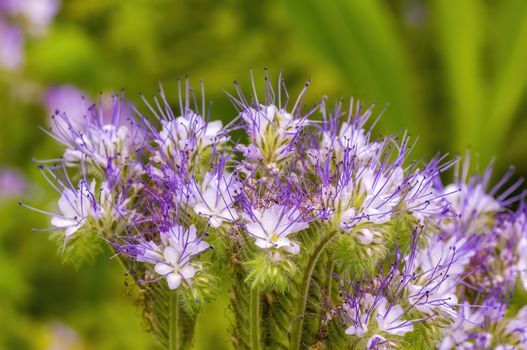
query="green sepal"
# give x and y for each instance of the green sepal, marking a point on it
(269, 272)
(82, 247)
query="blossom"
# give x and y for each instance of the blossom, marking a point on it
(377, 194)
(378, 342)
(95, 140)
(12, 183)
(214, 197)
(67, 101)
(272, 131)
(188, 133)
(271, 226)
(11, 46)
(389, 318)
(470, 201)
(357, 311)
(173, 257)
(75, 205)
(460, 332)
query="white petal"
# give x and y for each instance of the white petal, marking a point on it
(67, 203)
(256, 230)
(171, 255)
(261, 243)
(293, 248)
(215, 221)
(191, 233)
(201, 209)
(70, 230)
(61, 222)
(163, 269)
(174, 280)
(188, 271)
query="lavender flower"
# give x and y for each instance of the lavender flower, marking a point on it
(12, 183)
(11, 46)
(35, 15)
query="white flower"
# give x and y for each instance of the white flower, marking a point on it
(189, 132)
(174, 260)
(100, 145)
(470, 202)
(459, 332)
(422, 198)
(356, 140)
(214, 198)
(437, 295)
(379, 193)
(75, 206)
(390, 320)
(359, 320)
(271, 130)
(271, 226)
(518, 326)
(452, 254)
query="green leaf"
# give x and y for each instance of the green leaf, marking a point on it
(361, 39)
(510, 78)
(459, 26)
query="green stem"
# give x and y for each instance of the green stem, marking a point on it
(255, 318)
(173, 340)
(300, 308)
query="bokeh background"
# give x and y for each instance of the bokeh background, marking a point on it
(453, 72)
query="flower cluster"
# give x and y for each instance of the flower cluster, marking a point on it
(312, 210)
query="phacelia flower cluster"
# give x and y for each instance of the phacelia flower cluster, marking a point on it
(336, 233)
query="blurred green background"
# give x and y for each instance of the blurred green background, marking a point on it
(453, 72)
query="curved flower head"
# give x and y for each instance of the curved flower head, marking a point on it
(273, 129)
(97, 141)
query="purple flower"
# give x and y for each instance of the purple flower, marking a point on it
(12, 183)
(67, 101)
(11, 46)
(96, 140)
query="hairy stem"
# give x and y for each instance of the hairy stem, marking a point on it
(173, 339)
(255, 318)
(300, 307)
